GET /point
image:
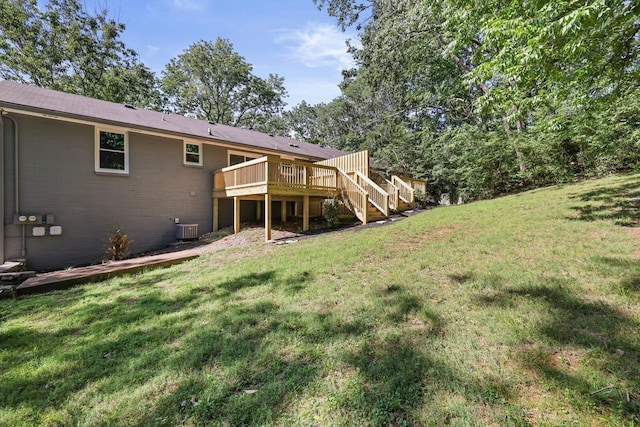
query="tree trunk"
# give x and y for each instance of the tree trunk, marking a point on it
(515, 142)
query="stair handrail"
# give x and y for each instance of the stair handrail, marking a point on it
(407, 193)
(377, 196)
(394, 193)
(353, 194)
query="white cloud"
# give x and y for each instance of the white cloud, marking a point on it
(317, 45)
(151, 50)
(151, 10)
(189, 5)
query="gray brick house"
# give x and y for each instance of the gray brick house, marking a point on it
(74, 167)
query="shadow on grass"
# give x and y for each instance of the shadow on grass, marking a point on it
(608, 336)
(224, 360)
(398, 379)
(243, 369)
(114, 344)
(248, 281)
(240, 362)
(628, 272)
(620, 203)
(250, 362)
(398, 376)
(462, 278)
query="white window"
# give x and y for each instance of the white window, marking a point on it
(236, 157)
(192, 153)
(112, 151)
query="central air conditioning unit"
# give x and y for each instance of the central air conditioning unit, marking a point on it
(187, 231)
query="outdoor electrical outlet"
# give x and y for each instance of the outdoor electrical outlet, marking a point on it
(176, 220)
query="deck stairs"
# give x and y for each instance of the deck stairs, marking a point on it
(368, 194)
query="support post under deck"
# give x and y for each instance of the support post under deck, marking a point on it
(267, 217)
(236, 214)
(305, 213)
(283, 211)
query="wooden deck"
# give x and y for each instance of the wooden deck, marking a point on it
(275, 176)
(272, 178)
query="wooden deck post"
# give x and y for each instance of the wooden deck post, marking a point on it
(283, 211)
(365, 214)
(216, 214)
(267, 217)
(305, 213)
(236, 214)
(258, 210)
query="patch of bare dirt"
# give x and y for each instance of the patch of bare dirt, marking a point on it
(564, 359)
(430, 236)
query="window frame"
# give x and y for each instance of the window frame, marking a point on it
(245, 154)
(98, 150)
(184, 153)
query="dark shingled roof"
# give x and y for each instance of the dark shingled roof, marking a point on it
(47, 101)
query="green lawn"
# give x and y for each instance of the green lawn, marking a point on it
(523, 310)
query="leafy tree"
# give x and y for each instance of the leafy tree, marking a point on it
(592, 44)
(491, 97)
(576, 49)
(210, 81)
(303, 123)
(64, 47)
(333, 124)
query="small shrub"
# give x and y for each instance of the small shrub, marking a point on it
(331, 212)
(118, 246)
(420, 199)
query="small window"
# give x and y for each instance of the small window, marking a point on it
(193, 153)
(236, 158)
(112, 151)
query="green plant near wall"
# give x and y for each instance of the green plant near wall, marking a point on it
(331, 212)
(118, 245)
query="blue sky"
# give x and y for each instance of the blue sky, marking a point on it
(291, 38)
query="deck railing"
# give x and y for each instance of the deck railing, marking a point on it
(416, 184)
(377, 196)
(276, 172)
(350, 162)
(272, 174)
(406, 192)
(354, 195)
(393, 192)
(247, 173)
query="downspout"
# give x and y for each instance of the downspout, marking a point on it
(1, 189)
(16, 179)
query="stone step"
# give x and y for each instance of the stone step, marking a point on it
(11, 266)
(6, 277)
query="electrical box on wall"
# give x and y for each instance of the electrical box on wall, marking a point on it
(27, 219)
(34, 219)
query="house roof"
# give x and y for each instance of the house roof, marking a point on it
(50, 102)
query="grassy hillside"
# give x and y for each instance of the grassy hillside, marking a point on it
(523, 310)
